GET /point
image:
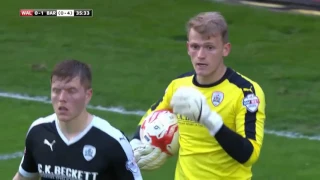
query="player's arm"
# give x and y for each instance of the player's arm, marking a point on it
(124, 165)
(28, 167)
(244, 145)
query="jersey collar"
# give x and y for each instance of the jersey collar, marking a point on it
(77, 137)
(226, 75)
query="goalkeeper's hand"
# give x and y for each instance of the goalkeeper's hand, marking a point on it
(147, 157)
(190, 102)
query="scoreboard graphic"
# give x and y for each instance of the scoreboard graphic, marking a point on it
(56, 12)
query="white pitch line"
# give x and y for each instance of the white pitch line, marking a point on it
(46, 100)
(15, 155)
(121, 110)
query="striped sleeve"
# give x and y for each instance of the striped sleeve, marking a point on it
(251, 117)
(28, 166)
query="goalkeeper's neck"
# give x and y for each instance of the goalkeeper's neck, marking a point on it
(213, 77)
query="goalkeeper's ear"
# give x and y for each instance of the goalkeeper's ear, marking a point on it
(226, 49)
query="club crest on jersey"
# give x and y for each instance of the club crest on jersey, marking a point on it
(89, 152)
(251, 102)
(217, 98)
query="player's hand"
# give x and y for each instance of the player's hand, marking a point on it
(147, 157)
(190, 102)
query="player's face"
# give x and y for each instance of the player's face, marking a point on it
(69, 98)
(206, 53)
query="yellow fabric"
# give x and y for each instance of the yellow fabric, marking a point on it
(200, 155)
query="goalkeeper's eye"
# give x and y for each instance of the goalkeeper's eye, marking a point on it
(210, 48)
(195, 46)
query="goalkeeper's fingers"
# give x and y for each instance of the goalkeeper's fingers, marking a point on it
(157, 163)
(147, 156)
(154, 163)
(146, 149)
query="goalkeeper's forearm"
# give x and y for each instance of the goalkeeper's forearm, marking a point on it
(235, 145)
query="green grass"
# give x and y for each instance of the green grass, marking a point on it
(136, 40)
(133, 49)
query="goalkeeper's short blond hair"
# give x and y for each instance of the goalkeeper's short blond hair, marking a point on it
(209, 24)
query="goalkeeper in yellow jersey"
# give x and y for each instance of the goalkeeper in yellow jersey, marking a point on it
(221, 112)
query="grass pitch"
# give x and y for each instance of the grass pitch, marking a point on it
(136, 47)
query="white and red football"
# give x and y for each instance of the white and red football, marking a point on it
(160, 129)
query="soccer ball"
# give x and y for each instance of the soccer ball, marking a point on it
(160, 129)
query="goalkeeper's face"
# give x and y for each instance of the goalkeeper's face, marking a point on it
(206, 52)
(69, 97)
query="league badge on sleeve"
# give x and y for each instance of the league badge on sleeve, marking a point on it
(251, 102)
(217, 98)
(132, 166)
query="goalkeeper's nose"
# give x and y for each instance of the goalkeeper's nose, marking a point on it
(201, 54)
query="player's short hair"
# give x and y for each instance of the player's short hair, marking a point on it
(69, 69)
(209, 24)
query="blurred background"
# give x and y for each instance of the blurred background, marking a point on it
(136, 48)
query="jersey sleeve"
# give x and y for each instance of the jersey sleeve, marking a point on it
(250, 119)
(28, 166)
(162, 104)
(124, 165)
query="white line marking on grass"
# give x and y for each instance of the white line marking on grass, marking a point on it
(292, 135)
(46, 100)
(121, 110)
(15, 155)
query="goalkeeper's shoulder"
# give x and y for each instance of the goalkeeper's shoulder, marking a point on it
(186, 74)
(174, 83)
(161, 102)
(180, 80)
(184, 77)
(247, 85)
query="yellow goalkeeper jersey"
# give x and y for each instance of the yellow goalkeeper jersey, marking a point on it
(241, 103)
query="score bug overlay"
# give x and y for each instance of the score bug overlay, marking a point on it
(56, 12)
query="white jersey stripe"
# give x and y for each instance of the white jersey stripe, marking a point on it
(25, 173)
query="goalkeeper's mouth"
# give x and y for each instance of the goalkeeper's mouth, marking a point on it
(201, 65)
